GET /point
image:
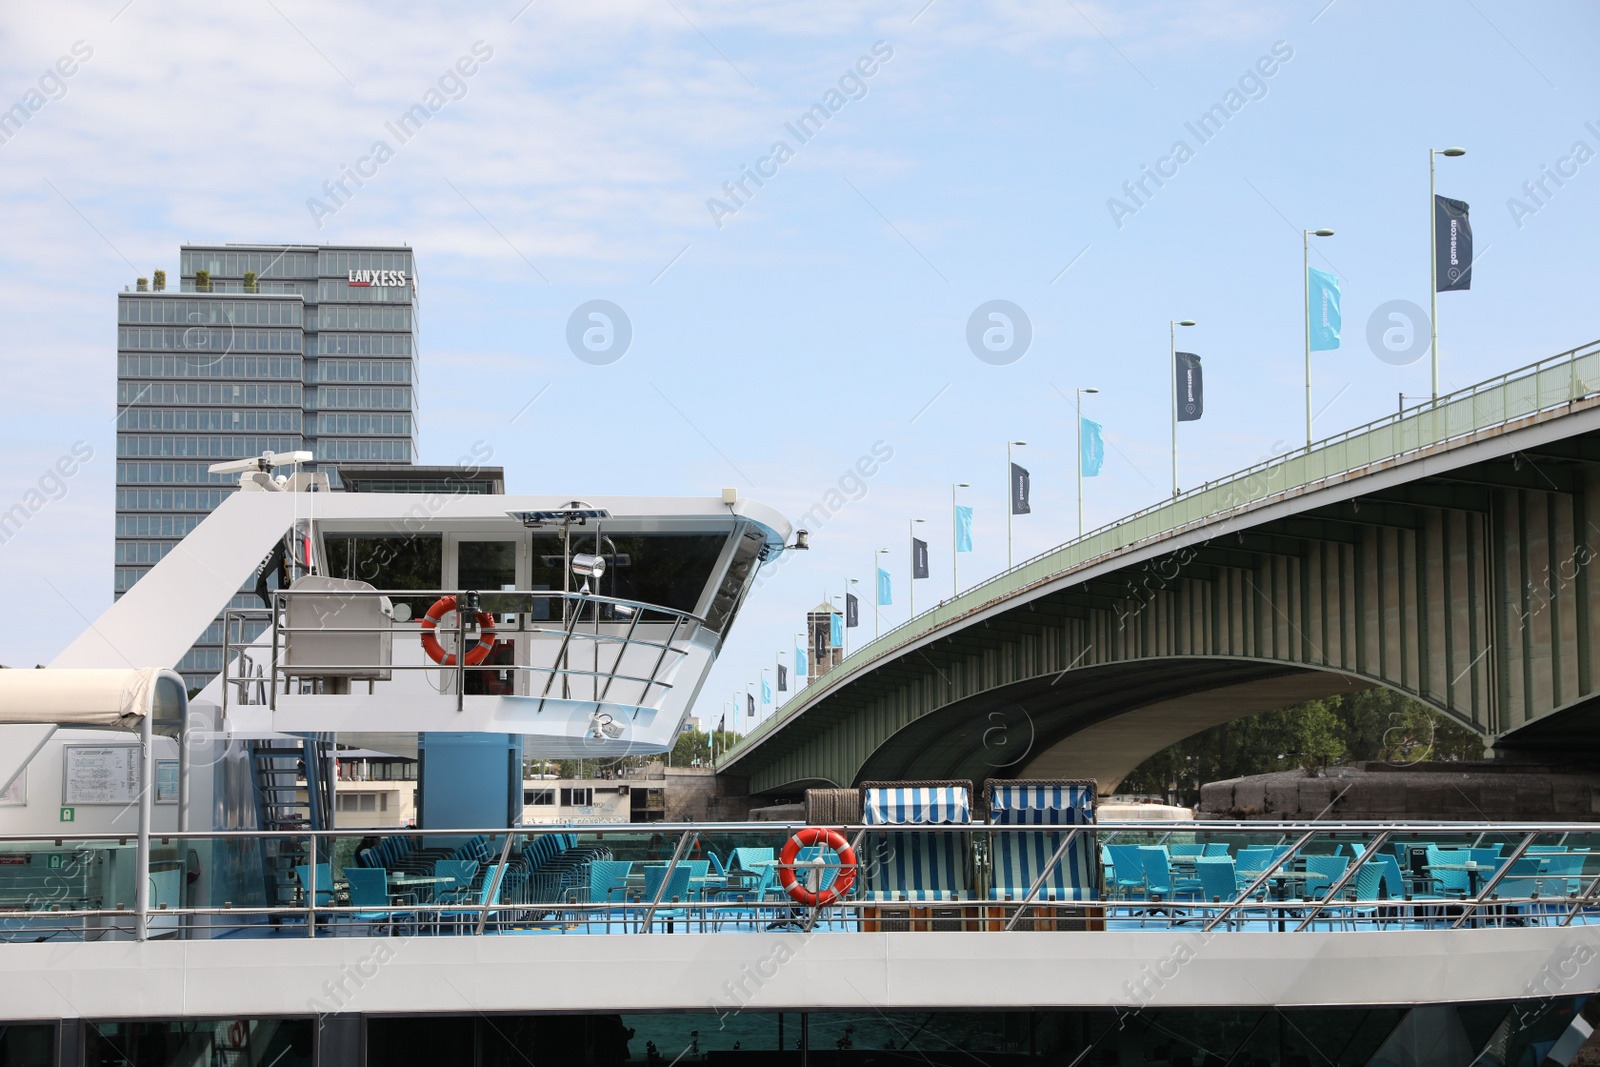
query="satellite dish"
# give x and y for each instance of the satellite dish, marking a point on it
(264, 462)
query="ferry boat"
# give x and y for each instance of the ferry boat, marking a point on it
(174, 890)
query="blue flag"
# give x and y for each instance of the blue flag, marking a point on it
(766, 692)
(835, 629)
(883, 588)
(1325, 320)
(1091, 447)
(799, 663)
(963, 528)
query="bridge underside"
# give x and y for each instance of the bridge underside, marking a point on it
(1097, 723)
(1460, 577)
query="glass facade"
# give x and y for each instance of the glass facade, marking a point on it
(226, 367)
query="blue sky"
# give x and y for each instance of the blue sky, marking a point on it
(775, 344)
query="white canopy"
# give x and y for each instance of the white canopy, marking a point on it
(87, 697)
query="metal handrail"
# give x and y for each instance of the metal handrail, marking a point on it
(978, 596)
(637, 613)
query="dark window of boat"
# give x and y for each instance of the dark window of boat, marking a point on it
(389, 563)
(736, 582)
(665, 570)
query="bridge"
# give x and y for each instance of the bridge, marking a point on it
(1442, 552)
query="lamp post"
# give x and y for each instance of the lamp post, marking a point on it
(1305, 277)
(1009, 501)
(1079, 399)
(911, 572)
(955, 536)
(1172, 374)
(1433, 261)
(877, 589)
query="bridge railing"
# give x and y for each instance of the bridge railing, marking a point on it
(1455, 418)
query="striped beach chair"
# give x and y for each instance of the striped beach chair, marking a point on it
(904, 863)
(1018, 859)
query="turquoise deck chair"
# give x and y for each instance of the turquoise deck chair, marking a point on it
(676, 892)
(1219, 880)
(1217, 850)
(460, 873)
(324, 880)
(1186, 851)
(1563, 873)
(489, 891)
(1332, 868)
(369, 888)
(1126, 872)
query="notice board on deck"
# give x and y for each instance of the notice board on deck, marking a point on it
(109, 774)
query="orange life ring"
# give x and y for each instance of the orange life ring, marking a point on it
(817, 835)
(430, 643)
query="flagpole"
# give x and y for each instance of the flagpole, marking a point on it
(1305, 275)
(955, 537)
(1433, 261)
(1010, 501)
(1079, 399)
(1172, 371)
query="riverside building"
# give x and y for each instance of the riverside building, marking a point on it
(257, 347)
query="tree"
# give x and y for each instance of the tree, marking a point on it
(1373, 725)
(696, 744)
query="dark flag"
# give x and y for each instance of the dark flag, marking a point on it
(1191, 387)
(919, 558)
(852, 610)
(750, 698)
(1019, 491)
(783, 678)
(822, 640)
(722, 724)
(1452, 250)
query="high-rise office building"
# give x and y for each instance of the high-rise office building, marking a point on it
(279, 347)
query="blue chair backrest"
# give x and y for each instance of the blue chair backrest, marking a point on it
(1394, 884)
(1255, 859)
(1218, 879)
(606, 878)
(716, 863)
(1537, 850)
(369, 887)
(751, 859)
(1563, 872)
(1129, 865)
(1017, 860)
(1485, 855)
(475, 848)
(1521, 880)
(460, 873)
(677, 885)
(493, 885)
(1331, 868)
(1157, 869)
(324, 882)
(1217, 850)
(1371, 878)
(1186, 851)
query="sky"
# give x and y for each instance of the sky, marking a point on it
(911, 161)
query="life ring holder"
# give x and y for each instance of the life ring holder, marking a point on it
(817, 835)
(430, 641)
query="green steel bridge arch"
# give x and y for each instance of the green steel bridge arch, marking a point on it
(1443, 552)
